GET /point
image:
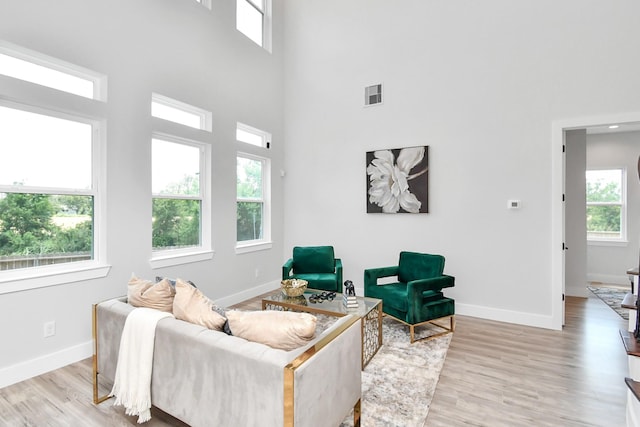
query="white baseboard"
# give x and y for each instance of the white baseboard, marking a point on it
(576, 291)
(508, 316)
(247, 294)
(43, 364)
(616, 279)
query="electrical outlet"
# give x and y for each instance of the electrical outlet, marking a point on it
(49, 329)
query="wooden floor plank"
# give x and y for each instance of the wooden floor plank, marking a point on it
(495, 375)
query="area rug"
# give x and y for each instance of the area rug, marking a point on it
(399, 382)
(612, 297)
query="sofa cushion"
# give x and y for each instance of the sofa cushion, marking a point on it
(191, 305)
(286, 330)
(325, 281)
(394, 295)
(145, 293)
(313, 259)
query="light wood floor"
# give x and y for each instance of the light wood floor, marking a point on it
(495, 374)
(499, 374)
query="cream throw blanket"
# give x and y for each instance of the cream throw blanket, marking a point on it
(132, 383)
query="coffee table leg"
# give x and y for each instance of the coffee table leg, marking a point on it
(371, 334)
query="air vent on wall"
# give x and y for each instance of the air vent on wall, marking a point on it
(373, 95)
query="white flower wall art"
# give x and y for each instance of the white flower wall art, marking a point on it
(397, 180)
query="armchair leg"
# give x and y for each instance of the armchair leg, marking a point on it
(447, 330)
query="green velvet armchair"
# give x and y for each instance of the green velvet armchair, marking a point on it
(317, 265)
(416, 298)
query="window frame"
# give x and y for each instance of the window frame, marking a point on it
(51, 275)
(205, 117)
(265, 242)
(170, 257)
(99, 81)
(265, 137)
(266, 13)
(623, 209)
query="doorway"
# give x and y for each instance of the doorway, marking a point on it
(558, 224)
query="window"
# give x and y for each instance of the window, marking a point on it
(253, 136)
(52, 172)
(606, 205)
(181, 171)
(177, 187)
(47, 188)
(166, 108)
(40, 69)
(253, 212)
(252, 20)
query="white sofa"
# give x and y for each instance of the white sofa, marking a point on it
(208, 378)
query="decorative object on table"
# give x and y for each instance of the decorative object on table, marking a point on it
(293, 287)
(299, 300)
(416, 298)
(349, 288)
(349, 295)
(321, 297)
(317, 265)
(398, 180)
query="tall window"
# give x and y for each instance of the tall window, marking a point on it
(252, 199)
(177, 194)
(252, 19)
(606, 204)
(47, 188)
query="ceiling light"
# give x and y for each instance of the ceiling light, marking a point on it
(614, 127)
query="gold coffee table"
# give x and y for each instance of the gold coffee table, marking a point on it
(369, 310)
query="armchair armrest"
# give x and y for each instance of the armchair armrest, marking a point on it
(372, 275)
(416, 287)
(286, 269)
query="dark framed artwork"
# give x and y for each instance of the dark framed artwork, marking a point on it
(398, 180)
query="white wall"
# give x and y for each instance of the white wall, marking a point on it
(609, 263)
(481, 84)
(576, 213)
(182, 50)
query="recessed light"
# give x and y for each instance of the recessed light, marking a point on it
(614, 127)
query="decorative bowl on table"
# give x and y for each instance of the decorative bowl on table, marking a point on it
(293, 287)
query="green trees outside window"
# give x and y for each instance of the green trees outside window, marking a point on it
(177, 195)
(176, 223)
(605, 204)
(250, 201)
(44, 224)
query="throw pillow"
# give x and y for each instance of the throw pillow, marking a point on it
(286, 330)
(145, 293)
(191, 305)
(173, 281)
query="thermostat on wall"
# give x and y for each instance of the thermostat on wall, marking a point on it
(513, 204)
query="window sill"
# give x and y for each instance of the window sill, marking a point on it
(171, 258)
(619, 243)
(26, 279)
(253, 247)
